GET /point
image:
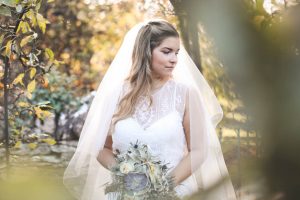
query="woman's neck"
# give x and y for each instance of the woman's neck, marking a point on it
(159, 82)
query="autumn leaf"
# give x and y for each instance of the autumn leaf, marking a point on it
(24, 27)
(23, 104)
(49, 54)
(29, 95)
(45, 82)
(57, 62)
(32, 146)
(19, 79)
(46, 113)
(41, 114)
(32, 72)
(8, 48)
(31, 86)
(1, 40)
(41, 22)
(38, 112)
(49, 141)
(18, 145)
(26, 40)
(30, 15)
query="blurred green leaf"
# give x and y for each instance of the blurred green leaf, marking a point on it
(5, 11)
(10, 3)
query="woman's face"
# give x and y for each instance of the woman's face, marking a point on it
(164, 57)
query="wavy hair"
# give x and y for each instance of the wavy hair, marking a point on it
(140, 81)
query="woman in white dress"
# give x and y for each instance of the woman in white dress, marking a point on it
(145, 96)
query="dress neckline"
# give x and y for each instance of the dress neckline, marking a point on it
(161, 87)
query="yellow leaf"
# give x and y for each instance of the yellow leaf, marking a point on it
(8, 48)
(29, 95)
(50, 1)
(19, 79)
(24, 26)
(41, 114)
(49, 141)
(32, 72)
(18, 145)
(30, 15)
(1, 74)
(1, 39)
(41, 22)
(38, 112)
(47, 113)
(23, 104)
(26, 40)
(31, 86)
(32, 146)
(20, 26)
(49, 54)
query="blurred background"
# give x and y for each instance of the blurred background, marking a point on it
(54, 54)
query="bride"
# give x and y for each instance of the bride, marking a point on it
(153, 93)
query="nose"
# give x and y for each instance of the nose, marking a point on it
(173, 58)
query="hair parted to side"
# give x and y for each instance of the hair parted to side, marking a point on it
(149, 36)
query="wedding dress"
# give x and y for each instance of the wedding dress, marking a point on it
(160, 127)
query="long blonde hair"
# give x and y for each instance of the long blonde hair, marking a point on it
(149, 36)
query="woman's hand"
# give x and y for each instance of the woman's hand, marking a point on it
(182, 170)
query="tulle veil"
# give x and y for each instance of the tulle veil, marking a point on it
(85, 176)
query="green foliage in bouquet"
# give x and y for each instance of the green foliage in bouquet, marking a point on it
(140, 176)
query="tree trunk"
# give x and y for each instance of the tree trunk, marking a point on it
(6, 93)
(188, 26)
(56, 121)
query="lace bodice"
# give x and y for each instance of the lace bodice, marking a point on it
(169, 98)
(159, 125)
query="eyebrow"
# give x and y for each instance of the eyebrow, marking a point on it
(169, 48)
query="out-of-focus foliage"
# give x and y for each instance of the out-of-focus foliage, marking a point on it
(86, 36)
(23, 62)
(59, 91)
(262, 60)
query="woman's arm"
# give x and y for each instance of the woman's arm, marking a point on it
(183, 169)
(106, 157)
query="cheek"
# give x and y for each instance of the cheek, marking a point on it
(159, 58)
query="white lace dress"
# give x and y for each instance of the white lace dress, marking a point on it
(160, 127)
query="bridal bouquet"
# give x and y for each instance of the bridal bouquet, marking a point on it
(140, 176)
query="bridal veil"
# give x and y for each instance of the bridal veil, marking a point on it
(85, 176)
